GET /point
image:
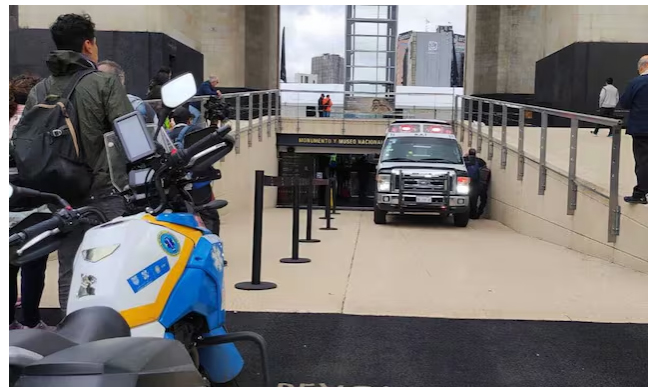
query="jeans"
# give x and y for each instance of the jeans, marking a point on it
(112, 207)
(33, 276)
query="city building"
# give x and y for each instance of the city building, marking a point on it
(431, 59)
(329, 68)
(305, 78)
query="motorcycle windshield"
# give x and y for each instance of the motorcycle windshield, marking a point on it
(117, 160)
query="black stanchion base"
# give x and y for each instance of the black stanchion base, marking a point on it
(328, 228)
(309, 240)
(295, 260)
(324, 218)
(251, 286)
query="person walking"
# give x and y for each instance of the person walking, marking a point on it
(607, 103)
(635, 99)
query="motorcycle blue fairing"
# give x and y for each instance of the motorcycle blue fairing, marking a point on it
(199, 291)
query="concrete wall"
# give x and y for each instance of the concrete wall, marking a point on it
(334, 126)
(517, 205)
(239, 43)
(238, 172)
(505, 42)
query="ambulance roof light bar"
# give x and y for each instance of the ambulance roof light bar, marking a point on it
(438, 129)
(404, 128)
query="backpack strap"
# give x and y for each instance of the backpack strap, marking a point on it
(77, 77)
(70, 88)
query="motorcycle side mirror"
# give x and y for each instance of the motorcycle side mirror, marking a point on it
(178, 90)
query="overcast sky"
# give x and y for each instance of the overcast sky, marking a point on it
(312, 30)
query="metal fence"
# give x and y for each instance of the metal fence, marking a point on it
(248, 110)
(469, 111)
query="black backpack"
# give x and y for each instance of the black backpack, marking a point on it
(46, 145)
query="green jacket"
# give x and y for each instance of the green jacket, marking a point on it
(99, 99)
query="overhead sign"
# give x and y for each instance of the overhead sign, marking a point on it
(317, 140)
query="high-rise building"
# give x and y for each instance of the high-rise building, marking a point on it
(305, 78)
(329, 68)
(433, 59)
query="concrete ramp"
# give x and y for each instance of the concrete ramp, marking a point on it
(516, 203)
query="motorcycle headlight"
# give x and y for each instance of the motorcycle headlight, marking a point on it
(383, 183)
(97, 253)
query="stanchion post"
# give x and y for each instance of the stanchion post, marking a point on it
(327, 205)
(334, 196)
(256, 265)
(295, 227)
(309, 213)
(327, 201)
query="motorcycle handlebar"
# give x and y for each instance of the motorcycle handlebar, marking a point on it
(212, 139)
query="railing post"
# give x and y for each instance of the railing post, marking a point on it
(505, 149)
(614, 209)
(462, 126)
(269, 115)
(542, 168)
(278, 112)
(572, 167)
(250, 130)
(480, 118)
(521, 143)
(238, 118)
(491, 122)
(471, 104)
(260, 117)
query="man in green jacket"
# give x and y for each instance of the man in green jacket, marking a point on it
(99, 98)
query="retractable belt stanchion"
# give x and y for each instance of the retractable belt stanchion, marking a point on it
(295, 227)
(334, 197)
(256, 266)
(327, 205)
(309, 213)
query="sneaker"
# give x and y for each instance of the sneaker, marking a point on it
(636, 200)
(16, 325)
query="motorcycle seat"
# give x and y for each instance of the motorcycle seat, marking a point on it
(82, 326)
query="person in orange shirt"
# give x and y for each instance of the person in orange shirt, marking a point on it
(327, 106)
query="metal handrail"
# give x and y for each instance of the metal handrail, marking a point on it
(458, 117)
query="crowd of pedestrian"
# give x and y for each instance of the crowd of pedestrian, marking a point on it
(95, 91)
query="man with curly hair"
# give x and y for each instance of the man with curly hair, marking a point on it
(99, 99)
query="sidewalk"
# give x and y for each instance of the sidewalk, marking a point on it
(422, 267)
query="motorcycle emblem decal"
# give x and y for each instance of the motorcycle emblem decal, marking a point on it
(85, 286)
(149, 275)
(169, 243)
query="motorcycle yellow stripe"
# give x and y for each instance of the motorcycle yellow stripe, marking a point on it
(145, 314)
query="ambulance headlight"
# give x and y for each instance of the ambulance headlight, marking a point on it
(383, 183)
(462, 185)
(97, 253)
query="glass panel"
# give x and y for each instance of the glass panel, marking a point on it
(370, 12)
(365, 43)
(366, 28)
(365, 58)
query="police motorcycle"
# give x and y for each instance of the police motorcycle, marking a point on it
(147, 300)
